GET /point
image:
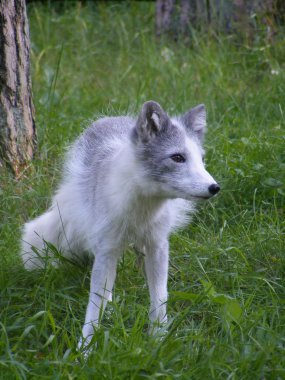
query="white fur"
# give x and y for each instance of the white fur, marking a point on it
(122, 209)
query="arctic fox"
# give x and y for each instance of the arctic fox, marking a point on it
(126, 181)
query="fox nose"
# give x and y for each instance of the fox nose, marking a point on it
(214, 188)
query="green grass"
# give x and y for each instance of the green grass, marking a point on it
(227, 269)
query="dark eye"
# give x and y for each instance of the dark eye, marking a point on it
(178, 158)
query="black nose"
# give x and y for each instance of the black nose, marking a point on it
(214, 188)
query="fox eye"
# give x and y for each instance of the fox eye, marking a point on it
(178, 158)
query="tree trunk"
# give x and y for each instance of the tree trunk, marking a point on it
(17, 125)
(164, 9)
(243, 17)
(184, 16)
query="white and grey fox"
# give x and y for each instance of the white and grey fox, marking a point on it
(125, 180)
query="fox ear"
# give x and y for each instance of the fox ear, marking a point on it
(150, 121)
(195, 120)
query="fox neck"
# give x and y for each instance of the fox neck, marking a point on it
(128, 184)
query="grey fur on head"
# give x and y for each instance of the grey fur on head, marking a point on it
(153, 119)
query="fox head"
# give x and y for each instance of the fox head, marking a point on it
(170, 153)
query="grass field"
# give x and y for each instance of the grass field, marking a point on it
(227, 269)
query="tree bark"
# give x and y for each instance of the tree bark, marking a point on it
(164, 9)
(185, 16)
(17, 125)
(243, 17)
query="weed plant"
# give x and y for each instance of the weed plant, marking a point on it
(227, 277)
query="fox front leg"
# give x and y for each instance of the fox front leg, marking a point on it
(156, 268)
(102, 280)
